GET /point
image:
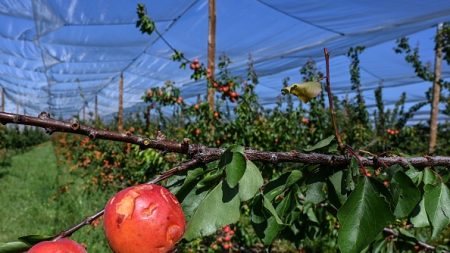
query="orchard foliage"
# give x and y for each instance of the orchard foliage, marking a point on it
(21, 138)
(15, 139)
(283, 206)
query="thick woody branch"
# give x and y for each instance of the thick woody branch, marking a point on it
(207, 154)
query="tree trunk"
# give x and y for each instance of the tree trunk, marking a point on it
(436, 92)
(120, 113)
(211, 52)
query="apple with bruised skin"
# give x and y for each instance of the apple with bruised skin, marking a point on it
(62, 245)
(143, 219)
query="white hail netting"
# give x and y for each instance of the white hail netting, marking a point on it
(57, 55)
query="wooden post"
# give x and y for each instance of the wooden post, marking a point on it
(3, 99)
(211, 51)
(96, 108)
(147, 116)
(120, 114)
(436, 91)
(84, 113)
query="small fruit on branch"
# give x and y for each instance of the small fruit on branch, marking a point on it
(62, 245)
(143, 219)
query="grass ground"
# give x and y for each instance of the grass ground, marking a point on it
(39, 197)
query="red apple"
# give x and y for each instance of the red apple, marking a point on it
(62, 245)
(143, 219)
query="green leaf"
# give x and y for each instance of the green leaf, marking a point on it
(237, 149)
(14, 247)
(415, 175)
(268, 230)
(405, 194)
(349, 182)
(379, 245)
(362, 217)
(337, 183)
(250, 182)
(316, 192)
(192, 201)
(234, 162)
(33, 239)
(437, 205)
(210, 178)
(304, 91)
(190, 181)
(407, 234)
(429, 177)
(311, 214)
(293, 178)
(420, 220)
(257, 215)
(264, 223)
(276, 186)
(286, 205)
(220, 207)
(269, 207)
(321, 144)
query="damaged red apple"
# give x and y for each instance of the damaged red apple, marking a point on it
(143, 219)
(62, 245)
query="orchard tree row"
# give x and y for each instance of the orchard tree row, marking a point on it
(239, 177)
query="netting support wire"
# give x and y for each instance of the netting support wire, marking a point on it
(436, 90)
(3, 99)
(120, 113)
(211, 52)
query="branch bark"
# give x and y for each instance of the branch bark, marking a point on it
(207, 154)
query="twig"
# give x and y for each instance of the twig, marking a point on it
(330, 99)
(362, 168)
(207, 154)
(424, 245)
(88, 220)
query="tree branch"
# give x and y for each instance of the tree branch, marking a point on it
(207, 154)
(424, 245)
(330, 100)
